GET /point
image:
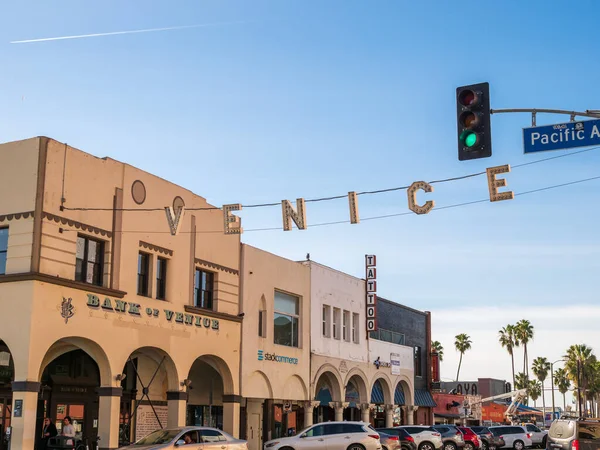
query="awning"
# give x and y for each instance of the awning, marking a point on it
(529, 409)
(377, 394)
(447, 416)
(424, 398)
(324, 396)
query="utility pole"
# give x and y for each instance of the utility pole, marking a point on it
(579, 389)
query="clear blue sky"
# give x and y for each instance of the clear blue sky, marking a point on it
(313, 98)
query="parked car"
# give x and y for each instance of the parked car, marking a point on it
(452, 437)
(333, 435)
(574, 434)
(514, 436)
(487, 438)
(207, 438)
(538, 437)
(423, 437)
(390, 442)
(471, 438)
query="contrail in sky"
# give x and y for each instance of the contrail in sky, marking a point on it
(113, 33)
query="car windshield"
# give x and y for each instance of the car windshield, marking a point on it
(158, 437)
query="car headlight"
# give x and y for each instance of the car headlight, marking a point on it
(271, 444)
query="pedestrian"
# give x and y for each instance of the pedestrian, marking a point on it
(48, 432)
(68, 430)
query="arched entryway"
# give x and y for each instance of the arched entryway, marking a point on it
(147, 376)
(400, 400)
(71, 372)
(356, 395)
(381, 397)
(7, 376)
(328, 391)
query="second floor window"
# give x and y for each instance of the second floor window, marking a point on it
(286, 320)
(355, 318)
(346, 326)
(89, 263)
(161, 278)
(336, 322)
(143, 270)
(3, 249)
(418, 362)
(326, 321)
(203, 289)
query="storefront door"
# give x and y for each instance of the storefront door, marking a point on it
(76, 411)
(254, 432)
(5, 410)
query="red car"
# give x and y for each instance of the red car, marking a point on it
(471, 439)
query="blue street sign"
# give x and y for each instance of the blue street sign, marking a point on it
(561, 136)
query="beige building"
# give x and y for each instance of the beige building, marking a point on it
(109, 318)
(275, 374)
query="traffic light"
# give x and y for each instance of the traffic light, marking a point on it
(473, 118)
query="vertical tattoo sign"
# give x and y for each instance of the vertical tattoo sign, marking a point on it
(371, 292)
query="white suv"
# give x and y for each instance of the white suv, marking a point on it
(330, 436)
(538, 437)
(514, 436)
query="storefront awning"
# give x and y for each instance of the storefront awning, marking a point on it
(528, 409)
(399, 397)
(424, 398)
(447, 416)
(377, 394)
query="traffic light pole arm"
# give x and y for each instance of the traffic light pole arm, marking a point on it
(534, 111)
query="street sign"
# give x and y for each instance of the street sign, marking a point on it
(561, 136)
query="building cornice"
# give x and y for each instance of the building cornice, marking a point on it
(33, 276)
(213, 314)
(78, 225)
(156, 248)
(16, 216)
(216, 266)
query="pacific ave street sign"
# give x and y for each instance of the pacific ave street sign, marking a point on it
(561, 136)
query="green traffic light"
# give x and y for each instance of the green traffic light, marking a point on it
(470, 139)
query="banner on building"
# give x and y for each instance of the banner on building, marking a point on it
(371, 292)
(395, 362)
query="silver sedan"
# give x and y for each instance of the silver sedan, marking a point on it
(196, 438)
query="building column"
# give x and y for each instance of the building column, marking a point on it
(309, 408)
(365, 412)
(109, 409)
(339, 410)
(24, 414)
(389, 415)
(410, 414)
(231, 414)
(177, 403)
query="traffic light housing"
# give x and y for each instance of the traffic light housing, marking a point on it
(473, 119)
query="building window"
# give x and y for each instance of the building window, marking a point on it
(261, 324)
(89, 263)
(142, 275)
(418, 364)
(355, 318)
(346, 326)
(388, 336)
(336, 323)
(326, 321)
(286, 319)
(3, 249)
(204, 289)
(161, 278)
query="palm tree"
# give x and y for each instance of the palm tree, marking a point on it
(521, 381)
(508, 340)
(524, 332)
(535, 390)
(462, 344)
(561, 379)
(541, 368)
(436, 347)
(580, 356)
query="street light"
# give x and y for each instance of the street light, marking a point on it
(552, 379)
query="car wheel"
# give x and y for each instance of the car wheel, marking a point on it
(544, 441)
(484, 445)
(469, 446)
(286, 448)
(518, 445)
(356, 447)
(426, 446)
(449, 446)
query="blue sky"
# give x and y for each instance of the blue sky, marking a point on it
(313, 98)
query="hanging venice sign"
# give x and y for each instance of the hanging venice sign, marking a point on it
(232, 224)
(135, 310)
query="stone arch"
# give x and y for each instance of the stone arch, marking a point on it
(359, 380)
(162, 359)
(67, 344)
(5, 348)
(328, 376)
(295, 383)
(386, 388)
(404, 385)
(258, 385)
(218, 364)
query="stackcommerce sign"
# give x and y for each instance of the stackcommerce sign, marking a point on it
(262, 356)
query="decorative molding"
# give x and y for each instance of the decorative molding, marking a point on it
(78, 225)
(233, 398)
(16, 216)
(210, 313)
(35, 276)
(108, 391)
(156, 248)
(177, 395)
(26, 386)
(216, 266)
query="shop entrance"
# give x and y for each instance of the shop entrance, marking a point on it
(5, 411)
(7, 371)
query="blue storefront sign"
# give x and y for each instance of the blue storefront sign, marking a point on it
(263, 356)
(561, 136)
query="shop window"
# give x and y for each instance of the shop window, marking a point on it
(142, 274)
(89, 262)
(326, 321)
(418, 362)
(161, 278)
(204, 289)
(346, 326)
(336, 323)
(355, 318)
(286, 319)
(3, 249)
